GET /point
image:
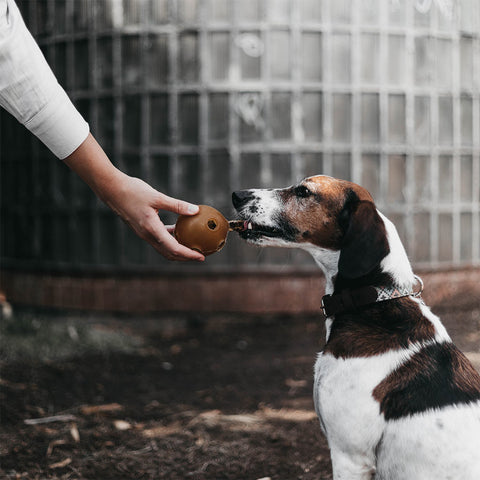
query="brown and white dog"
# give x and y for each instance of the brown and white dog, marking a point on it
(396, 399)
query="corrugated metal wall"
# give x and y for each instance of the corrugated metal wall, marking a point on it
(202, 97)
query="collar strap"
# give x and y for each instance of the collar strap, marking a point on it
(348, 300)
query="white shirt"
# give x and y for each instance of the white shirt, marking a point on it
(30, 91)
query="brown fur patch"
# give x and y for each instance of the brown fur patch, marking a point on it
(317, 216)
(436, 376)
(335, 188)
(373, 330)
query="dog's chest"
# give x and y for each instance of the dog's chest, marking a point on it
(343, 394)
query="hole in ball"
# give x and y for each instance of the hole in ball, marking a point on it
(212, 224)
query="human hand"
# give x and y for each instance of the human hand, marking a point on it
(136, 202)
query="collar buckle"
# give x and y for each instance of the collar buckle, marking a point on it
(420, 290)
(325, 308)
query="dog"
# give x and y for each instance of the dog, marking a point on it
(395, 398)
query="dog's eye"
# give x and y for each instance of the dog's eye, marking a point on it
(302, 192)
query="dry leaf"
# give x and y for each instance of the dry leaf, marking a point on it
(74, 433)
(163, 431)
(122, 425)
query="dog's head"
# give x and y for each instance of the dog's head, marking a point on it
(320, 213)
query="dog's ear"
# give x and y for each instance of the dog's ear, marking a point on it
(365, 241)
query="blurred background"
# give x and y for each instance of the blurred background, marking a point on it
(203, 97)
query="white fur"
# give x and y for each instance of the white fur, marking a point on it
(327, 260)
(444, 443)
(267, 205)
(396, 262)
(441, 334)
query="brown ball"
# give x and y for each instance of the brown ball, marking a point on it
(206, 232)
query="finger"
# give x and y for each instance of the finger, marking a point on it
(167, 246)
(175, 251)
(179, 252)
(164, 202)
(170, 228)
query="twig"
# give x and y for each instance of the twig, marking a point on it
(55, 418)
(54, 444)
(61, 464)
(94, 409)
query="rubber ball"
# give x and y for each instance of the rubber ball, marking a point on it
(206, 232)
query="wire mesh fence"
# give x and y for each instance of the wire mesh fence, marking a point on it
(202, 97)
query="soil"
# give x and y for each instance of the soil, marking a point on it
(218, 397)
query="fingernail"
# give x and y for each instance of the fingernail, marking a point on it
(192, 208)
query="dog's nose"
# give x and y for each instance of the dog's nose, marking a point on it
(241, 197)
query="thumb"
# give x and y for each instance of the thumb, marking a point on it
(164, 202)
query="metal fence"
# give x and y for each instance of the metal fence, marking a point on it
(202, 97)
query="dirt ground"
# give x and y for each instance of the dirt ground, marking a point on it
(172, 397)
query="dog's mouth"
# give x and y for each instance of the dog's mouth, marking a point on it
(252, 231)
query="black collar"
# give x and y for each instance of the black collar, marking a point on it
(348, 300)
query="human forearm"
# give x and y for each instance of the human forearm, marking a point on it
(92, 165)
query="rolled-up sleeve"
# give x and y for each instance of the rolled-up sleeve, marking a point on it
(30, 91)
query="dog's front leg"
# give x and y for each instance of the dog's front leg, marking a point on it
(349, 414)
(348, 467)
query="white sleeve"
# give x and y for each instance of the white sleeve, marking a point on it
(30, 91)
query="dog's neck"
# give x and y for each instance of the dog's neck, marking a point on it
(395, 268)
(327, 260)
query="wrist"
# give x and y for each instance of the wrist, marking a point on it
(93, 166)
(110, 184)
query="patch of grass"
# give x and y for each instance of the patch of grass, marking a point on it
(43, 337)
